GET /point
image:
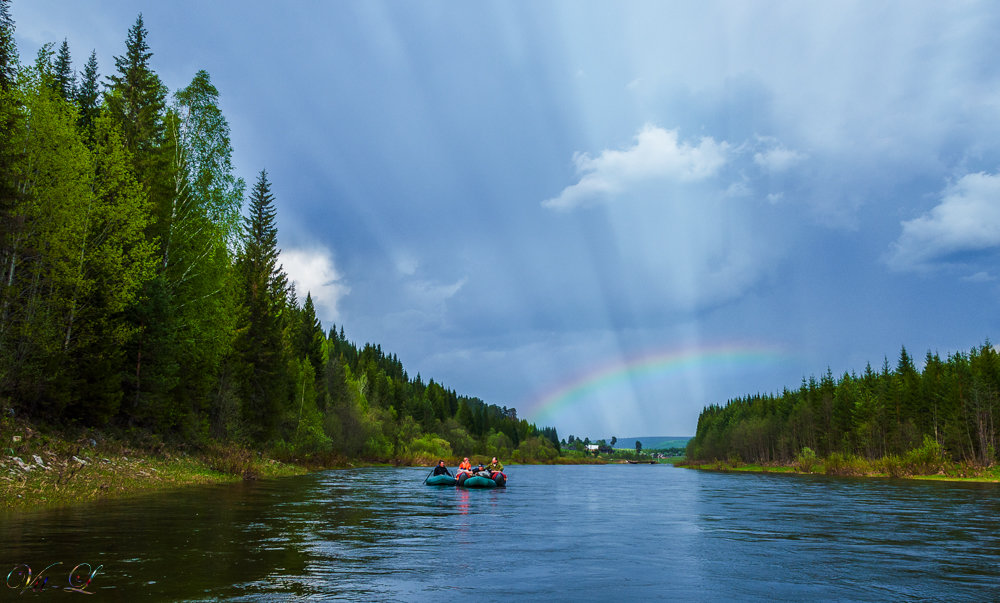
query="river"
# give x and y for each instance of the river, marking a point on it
(567, 533)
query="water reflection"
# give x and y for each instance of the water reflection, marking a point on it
(582, 533)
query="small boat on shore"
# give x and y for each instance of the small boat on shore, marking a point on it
(642, 462)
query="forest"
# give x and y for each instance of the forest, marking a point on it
(141, 288)
(951, 408)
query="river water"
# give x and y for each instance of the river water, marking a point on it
(565, 533)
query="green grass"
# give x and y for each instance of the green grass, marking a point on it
(856, 467)
(39, 470)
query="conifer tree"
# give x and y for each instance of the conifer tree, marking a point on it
(10, 116)
(136, 96)
(309, 345)
(8, 50)
(87, 95)
(260, 345)
(65, 78)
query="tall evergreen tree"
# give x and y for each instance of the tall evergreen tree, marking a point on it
(10, 151)
(136, 96)
(309, 345)
(8, 49)
(134, 100)
(65, 78)
(87, 95)
(260, 344)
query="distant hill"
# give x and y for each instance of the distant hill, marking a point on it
(654, 442)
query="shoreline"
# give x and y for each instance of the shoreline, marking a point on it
(49, 480)
(990, 475)
(49, 470)
(27, 485)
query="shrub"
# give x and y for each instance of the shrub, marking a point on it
(846, 465)
(233, 460)
(806, 460)
(535, 449)
(928, 459)
(430, 447)
(893, 466)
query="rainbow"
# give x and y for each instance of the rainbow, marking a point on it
(648, 367)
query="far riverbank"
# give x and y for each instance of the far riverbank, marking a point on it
(856, 468)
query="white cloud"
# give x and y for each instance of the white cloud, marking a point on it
(966, 220)
(657, 155)
(427, 293)
(777, 159)
(980, 277)
(740, 188)
(407, 264)
(312, 271)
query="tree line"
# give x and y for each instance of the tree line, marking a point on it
(139, 292)
(952, 403)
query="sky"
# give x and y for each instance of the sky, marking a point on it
(608, 215)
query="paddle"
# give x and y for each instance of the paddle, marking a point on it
(429, 474)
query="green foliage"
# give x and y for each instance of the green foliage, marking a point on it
(431, 447)
(953, 402)
(846, 465)
(87, 96)
(535, 449)
(136, 99)
(499, 445)
(133, 297)
(64, 80)
(806, 460)
(260, 343)
(8, 50)
(892, 465)
(928, 459)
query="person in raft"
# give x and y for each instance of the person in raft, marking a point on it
(496, 467)
(465, 466)
(441, 469)
(482, 471)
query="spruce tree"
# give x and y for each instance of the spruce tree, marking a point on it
(8, 50)
(10, 151)
(309, 345)
(260, 345)
(136, 96)
(87, 96)
(65, 78)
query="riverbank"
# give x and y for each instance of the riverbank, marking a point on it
(954, 473)
(44, 470)
(47, 469)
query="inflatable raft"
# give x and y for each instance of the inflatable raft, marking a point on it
(441, 480)
(478, 481)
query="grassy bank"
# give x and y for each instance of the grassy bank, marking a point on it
(836, 465)
(51, 468)
(41, 470)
